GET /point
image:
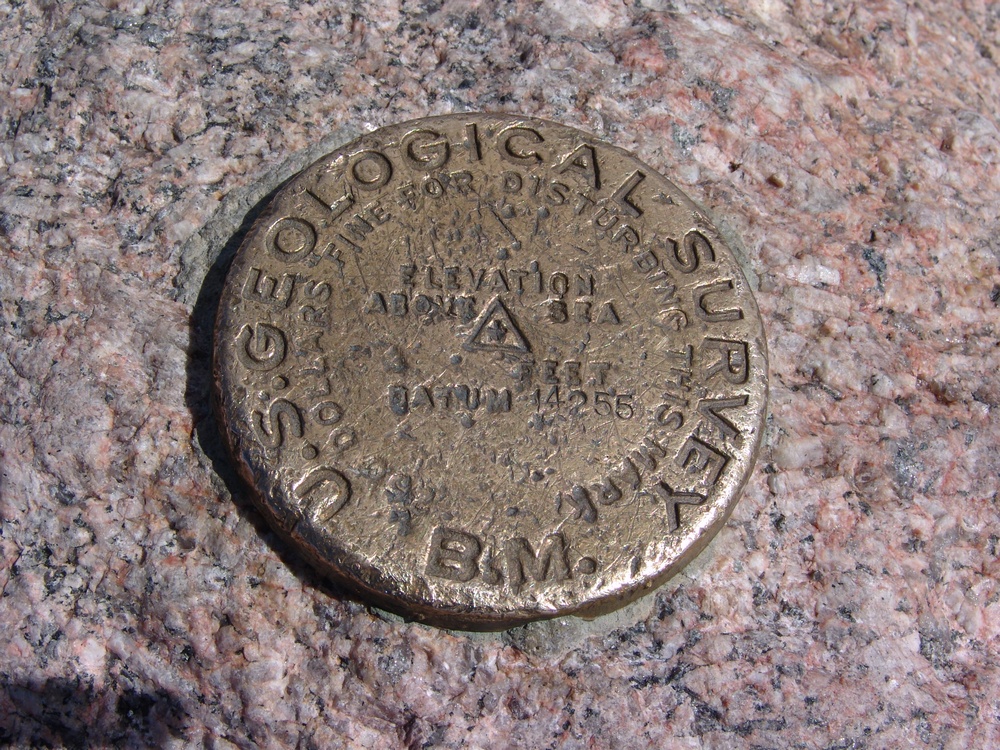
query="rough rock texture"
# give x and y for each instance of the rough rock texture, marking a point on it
(850, 603)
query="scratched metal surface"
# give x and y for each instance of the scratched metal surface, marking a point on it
(488, 369)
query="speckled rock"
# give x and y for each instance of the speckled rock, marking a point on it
(851, 602)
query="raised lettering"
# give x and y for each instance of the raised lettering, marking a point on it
(571, 373)
(324, 491)
(630, 474)
(583, 161)
(425, 148)
(604, 219)
(646, 261)
(522, 563)
(727, 358)
(497, 401)
(421, 397)
(623, 195)
(337, 206)
(496, 330)
(519, 151)
(608, 492)
(663, 285)
(705, 311)
(282, 416)
(453, 555)
(673, 500)
(512, 182)
(260, 347)
(260, 287)
(370, 170)
(608, 315)
(710, 408)
(317, 290)
(581, 506)
(466, 397)
(647, 454)
(327, 413)
(472, 142)
(627, 235)
(698, 457)
(376, 304)
(599, 372)
(691, 251)
(349, 242)
(290, 239)
(359, 227)
(398, 305)
(667, 416)
(442, 396)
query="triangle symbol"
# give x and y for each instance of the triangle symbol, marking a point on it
(496, 330)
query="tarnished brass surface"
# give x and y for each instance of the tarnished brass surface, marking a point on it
(486, 369)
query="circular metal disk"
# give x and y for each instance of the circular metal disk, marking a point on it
(486, 369)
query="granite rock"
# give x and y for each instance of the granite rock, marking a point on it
(851, 601)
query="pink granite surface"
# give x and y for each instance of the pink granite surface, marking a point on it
(851, 602)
